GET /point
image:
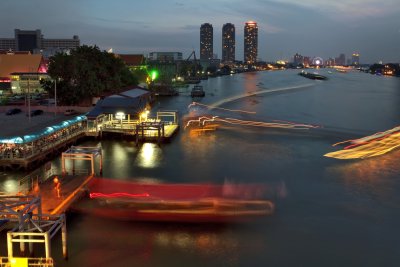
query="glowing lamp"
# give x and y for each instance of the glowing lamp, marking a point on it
(120, 115)
(144, 115)
(15, 262)
(153, 75)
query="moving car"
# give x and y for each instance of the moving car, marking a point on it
(69, 112)
(13, 111)
(36, 112)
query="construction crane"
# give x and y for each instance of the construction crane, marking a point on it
(193, 68)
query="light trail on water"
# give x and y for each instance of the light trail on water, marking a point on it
(266, 91)
(226, 109)
(370, 146)
(204, 121)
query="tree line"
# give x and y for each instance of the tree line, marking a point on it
(84, 73)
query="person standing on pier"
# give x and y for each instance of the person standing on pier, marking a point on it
(57, 185)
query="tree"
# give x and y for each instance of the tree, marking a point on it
(85, 73)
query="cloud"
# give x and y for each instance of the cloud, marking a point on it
(123, 21)
(349, 10)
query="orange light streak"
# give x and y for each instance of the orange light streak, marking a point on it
(226, 109)
(370, 146)
(203, 120)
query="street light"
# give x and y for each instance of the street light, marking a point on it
(55, 97)
(29, 99)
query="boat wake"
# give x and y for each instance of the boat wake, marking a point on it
(266, 91)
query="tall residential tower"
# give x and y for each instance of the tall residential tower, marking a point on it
(250, 42)
(206, 41)
(355, 59)
(228, 43)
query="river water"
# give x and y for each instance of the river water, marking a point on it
(329, 212)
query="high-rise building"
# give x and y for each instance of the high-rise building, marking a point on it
(34, 41)
(341, 60)
(206, 41)
(228, 43)
(298, 59)
(355, 59)
(250, 42)
(28, 40)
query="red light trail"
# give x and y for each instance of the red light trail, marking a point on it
(118, 195)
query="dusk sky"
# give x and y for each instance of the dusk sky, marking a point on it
(309, 27)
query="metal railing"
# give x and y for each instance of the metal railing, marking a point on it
(29, 262)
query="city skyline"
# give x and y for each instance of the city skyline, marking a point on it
(285, 27)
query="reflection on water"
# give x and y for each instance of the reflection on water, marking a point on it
(153, 244)
(149, 156)
(370, 177)
(10, 186)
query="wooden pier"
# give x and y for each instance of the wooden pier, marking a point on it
(38, 216)
(60, 192)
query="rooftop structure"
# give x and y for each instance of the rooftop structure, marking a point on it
(132, 60)
(17, 62)
(131, 102)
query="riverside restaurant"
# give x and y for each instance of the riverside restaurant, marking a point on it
(29, 149)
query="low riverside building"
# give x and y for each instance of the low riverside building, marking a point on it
(116, 109)
(17, 68)
(133, 61)
(127, 113)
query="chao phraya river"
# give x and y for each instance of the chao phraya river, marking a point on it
(329, 212)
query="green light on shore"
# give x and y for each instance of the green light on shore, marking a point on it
(153, 74)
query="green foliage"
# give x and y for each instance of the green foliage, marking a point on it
(87, 72)
(140, 74)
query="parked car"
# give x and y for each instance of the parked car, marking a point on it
(70, 112)
(13, 111)
(17, 97)
(36, 112)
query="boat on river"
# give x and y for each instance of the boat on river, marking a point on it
(312, 76)
(197, 91)
(178, 202)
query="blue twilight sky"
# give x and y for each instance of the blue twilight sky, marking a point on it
(322, 28)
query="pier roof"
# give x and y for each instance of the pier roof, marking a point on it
(131, 102)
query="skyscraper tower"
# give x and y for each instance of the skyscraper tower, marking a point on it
(250, 42)
(228, 43)
(206, 41)
(355, 59)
